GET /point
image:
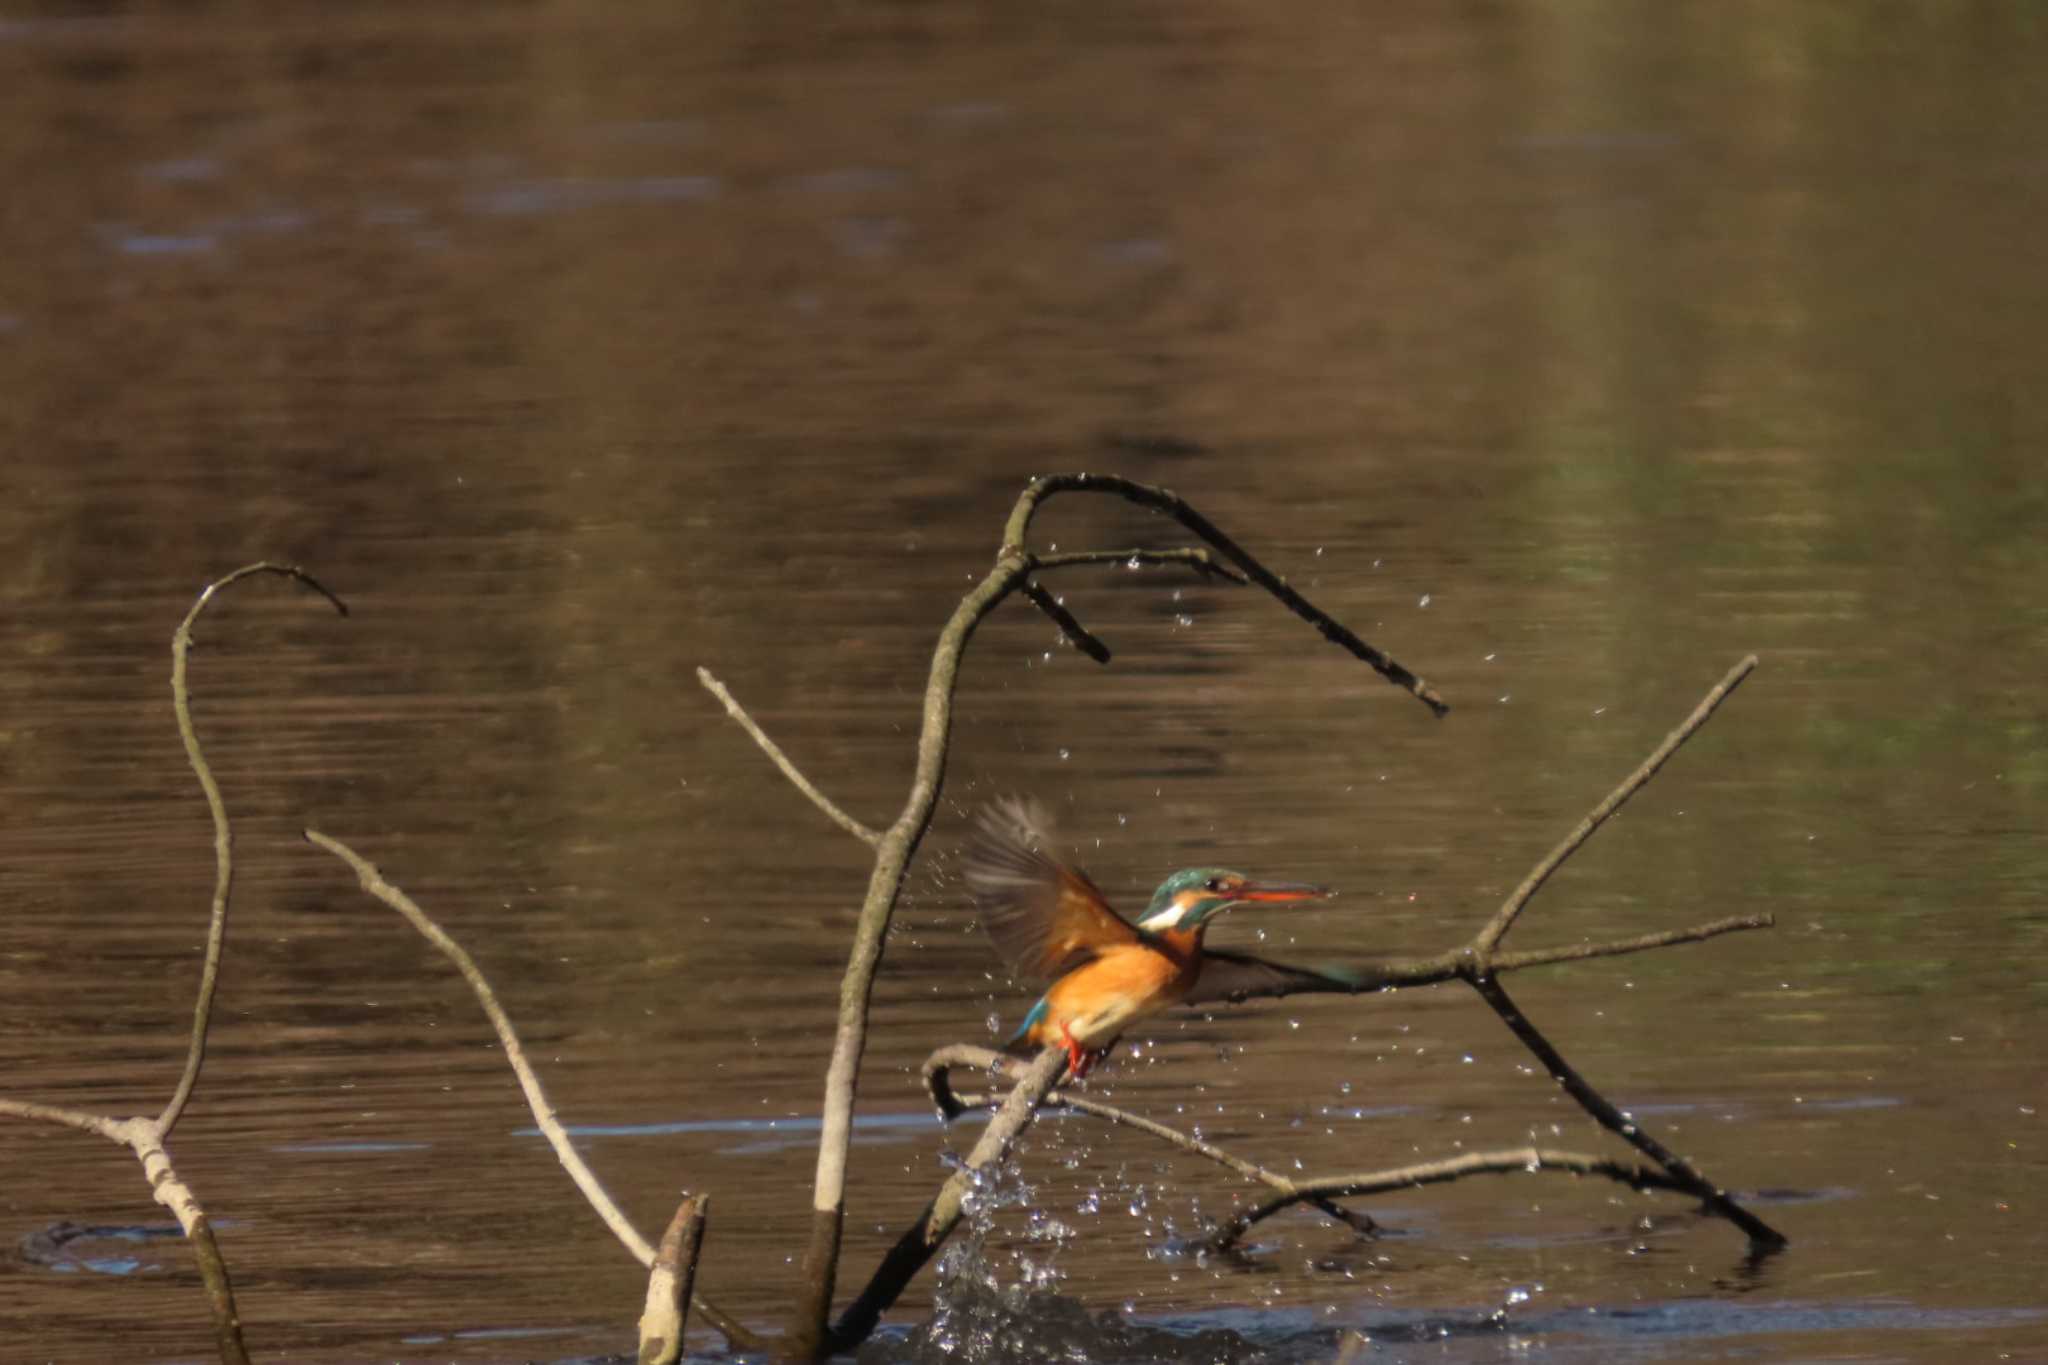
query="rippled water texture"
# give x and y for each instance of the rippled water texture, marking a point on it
(1570, 351)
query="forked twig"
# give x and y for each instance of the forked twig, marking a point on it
(808, 1335)
(1480, 965)
(145, 1137)
(1504, 918)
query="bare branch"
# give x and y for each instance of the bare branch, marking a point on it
(808, 1335)
(1077, 634)
(97, 1124)
(1504, 918)
(1436, 1173)
(145, 1138)
(668, 1286)
(782, 761)
(223, 839)
(515, 1055)
(1173, 505)
(1684, 1176)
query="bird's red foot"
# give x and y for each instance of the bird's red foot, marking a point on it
(1079, 1059)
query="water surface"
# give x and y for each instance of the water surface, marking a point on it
(1571, 353)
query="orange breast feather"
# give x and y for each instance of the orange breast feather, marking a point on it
(1095, 1002)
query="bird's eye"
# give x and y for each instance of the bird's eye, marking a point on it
(1213, 884)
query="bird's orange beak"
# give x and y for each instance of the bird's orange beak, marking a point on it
(1282, 891)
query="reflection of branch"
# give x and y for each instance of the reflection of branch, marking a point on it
(223, 839)
(529, 1082)
(808, 1335)
(1437, 1173)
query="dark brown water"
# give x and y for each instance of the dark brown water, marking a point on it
(1571, 352)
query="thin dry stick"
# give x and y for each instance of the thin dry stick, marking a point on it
(1518, 1159)
(529, 1082)
(1504, 918)
(515, 1055)
(782, 761)
(808, 1336)
(223, 838)
(668, 1286)
(1077, 634)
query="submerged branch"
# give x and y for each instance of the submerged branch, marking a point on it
(223, 838)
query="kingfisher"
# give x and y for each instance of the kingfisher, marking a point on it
(1048, 921)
